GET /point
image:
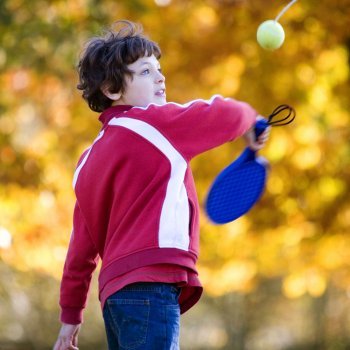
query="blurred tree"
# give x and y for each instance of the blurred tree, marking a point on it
(277, 278)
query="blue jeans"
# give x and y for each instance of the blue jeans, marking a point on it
(143, 316)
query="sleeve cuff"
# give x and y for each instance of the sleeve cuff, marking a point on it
(71, 315)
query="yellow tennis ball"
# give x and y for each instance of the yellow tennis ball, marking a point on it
(270, 35)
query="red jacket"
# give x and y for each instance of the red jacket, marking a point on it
(136, 199)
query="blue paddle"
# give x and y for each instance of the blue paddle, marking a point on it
(240, 185)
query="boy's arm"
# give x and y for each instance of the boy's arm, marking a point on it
(81, 261)
(200, 125)
(203, 126)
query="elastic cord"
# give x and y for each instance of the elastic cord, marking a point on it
(283, 121)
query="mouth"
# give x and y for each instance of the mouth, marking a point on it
(160, 93)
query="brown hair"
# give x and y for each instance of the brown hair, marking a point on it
(104, 61)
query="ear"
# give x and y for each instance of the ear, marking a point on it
(114, 96)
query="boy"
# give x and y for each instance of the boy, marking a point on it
(137, 207)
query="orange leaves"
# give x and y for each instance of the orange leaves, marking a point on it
(302, 219)
(311, 281)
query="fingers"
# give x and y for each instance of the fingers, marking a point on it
(75, 337)
(67, 338)
(258, 144)
(263, 138)
(65, 344)
(75, 341)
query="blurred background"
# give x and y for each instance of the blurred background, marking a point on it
(276, 279)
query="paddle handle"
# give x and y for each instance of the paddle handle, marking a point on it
(260, 127)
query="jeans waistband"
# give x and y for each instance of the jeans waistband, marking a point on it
(151, 287)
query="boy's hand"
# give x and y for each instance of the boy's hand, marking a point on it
(68, 337)
(250, 140)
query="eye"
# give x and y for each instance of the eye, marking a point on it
(145, 72)
(160, 70)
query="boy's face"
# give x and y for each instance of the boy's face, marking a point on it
(147, 84)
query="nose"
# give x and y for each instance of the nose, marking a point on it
(160, 78)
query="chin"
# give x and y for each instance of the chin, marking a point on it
(157, 101)
(160, 101)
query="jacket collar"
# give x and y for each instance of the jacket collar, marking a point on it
(112, 112)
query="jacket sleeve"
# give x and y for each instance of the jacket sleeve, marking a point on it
(81, 261)
(200, 125)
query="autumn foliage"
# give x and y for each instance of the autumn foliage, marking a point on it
(279, 277)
